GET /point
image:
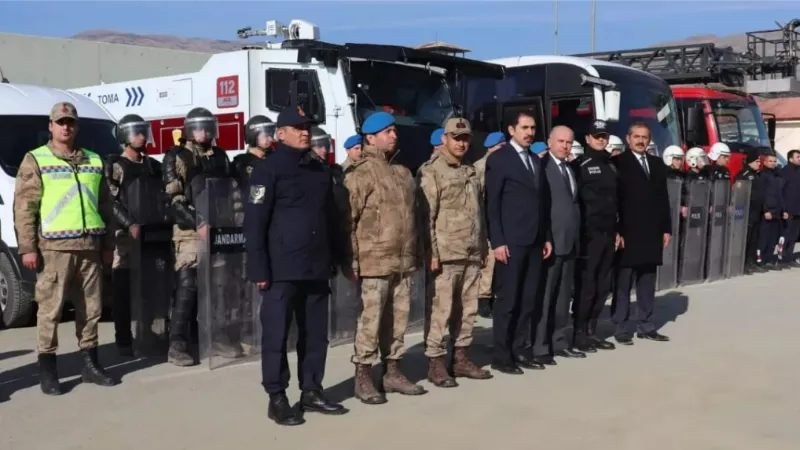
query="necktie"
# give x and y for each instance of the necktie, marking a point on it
(528, 162)
(643, 158)
(563, 168)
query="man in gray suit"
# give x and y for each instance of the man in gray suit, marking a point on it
(548, 332)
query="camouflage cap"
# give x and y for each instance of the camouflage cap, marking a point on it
(458, 127)
(63, 110)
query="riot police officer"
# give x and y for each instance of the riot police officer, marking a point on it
(615, 145)
(752, 174)
(719, 154)
(258, 134)
(697, 160)
(673, 159)
(597, 189)
(133, 135)
(185, 170)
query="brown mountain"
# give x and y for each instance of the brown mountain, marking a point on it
(161, 41)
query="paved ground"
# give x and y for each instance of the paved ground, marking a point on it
(729, 379)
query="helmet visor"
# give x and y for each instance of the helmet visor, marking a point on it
(136, 134)
(322, 141)
(201, 129)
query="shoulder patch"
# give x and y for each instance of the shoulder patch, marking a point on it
(257, 194)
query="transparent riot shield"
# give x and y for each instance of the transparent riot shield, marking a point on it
(227, 313)
(717, 229)
(667, 275)
(737, 228)
(693, 241)
(345, 307)
(150, 265)
(418, 296)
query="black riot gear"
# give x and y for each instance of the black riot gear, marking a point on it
(129, 127)
(319, 138)
(200, 119)
(255, 126)
(131, 171)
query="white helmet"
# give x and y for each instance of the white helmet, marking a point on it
(652, 148)
(614, 143)
(696, 155)
(717, 150)
(672, 152)
(577, 149)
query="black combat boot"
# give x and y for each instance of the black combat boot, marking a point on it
(48, 374)
(185, 299)
(282, 412)
(122, 311)
(92, 371)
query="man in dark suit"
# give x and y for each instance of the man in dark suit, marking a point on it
(517, 209)
(547, 333)
(644, 227)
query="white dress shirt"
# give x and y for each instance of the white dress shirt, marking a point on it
(524, 155)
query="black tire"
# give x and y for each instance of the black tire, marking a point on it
(16, 303)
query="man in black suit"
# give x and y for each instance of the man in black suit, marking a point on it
(548, 332)
(644, 227)
(517, 207)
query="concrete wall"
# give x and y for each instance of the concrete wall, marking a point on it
(787, 136)
(73, 63)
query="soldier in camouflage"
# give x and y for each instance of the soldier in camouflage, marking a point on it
(353, 147)
(384, 255)
(133, 135)
(185, 170)
(456, 248)
(258, 134)
(436, 143)
(492, 143)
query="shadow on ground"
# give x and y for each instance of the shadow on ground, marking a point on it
(668, 307)
(69, 369)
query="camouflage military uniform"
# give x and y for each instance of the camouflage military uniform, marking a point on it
(485, 279)
(456, 238)
(384, 254)
(68, 267)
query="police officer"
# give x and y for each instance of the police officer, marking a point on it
(133, 135)
(184, 172)
(353, 148)
(720, 155)
(258, 134)
(456, 251)
(752, 173)
(62, 236)
(673, 159)
(385, 244)
(791, 198)
(697, 160)
(615, 145)
(436, 142)
(493, 142)
(575, 152)
(321, 148)
(597, 188)
(290, 222)
(772, 212)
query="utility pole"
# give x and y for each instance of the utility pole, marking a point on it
(555, 31)
(594, 15)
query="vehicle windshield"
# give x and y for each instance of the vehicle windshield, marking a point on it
(22, 134)
(644, 99)
(414, 95)
(740, 124)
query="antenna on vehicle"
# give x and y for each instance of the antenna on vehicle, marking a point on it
(297, 29)
(3, 78)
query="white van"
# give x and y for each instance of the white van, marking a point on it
(24, 116)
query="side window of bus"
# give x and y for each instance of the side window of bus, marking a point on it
(575, 113)
(290, 88)
(480, 107)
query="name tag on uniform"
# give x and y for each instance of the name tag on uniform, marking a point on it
(594, 170)
(257, 194)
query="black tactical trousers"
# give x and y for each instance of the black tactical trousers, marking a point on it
(594, 279)
(121, 279)
(185, 306)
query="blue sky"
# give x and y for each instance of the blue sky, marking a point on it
(490, 29)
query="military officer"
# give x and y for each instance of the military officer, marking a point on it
(493, 142)
(133, 135)
(64, 237)
(353, 147)
(258, 134)
(290, 228)
(384, 254)
(184, 172)
(457, 247)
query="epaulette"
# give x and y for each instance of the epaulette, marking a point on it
(355, 164)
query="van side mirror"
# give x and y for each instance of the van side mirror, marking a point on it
(611, 98)
(694, 117)
(772, 124)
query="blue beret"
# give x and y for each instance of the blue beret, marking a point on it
(538, 147)
(493, 139)
(436, 137)
(377, 122)
(352, 141)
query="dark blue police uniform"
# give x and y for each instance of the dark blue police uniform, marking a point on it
(290, 226)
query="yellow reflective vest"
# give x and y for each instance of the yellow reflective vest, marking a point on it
(69, 205)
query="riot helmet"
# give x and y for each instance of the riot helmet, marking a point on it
(696, 158)
(200, 127)
(320, 142)
(718, 150)
(130, 128)
(652, 148)
(615, 144)
(672, 153)
(255, 128)
(577, 149)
